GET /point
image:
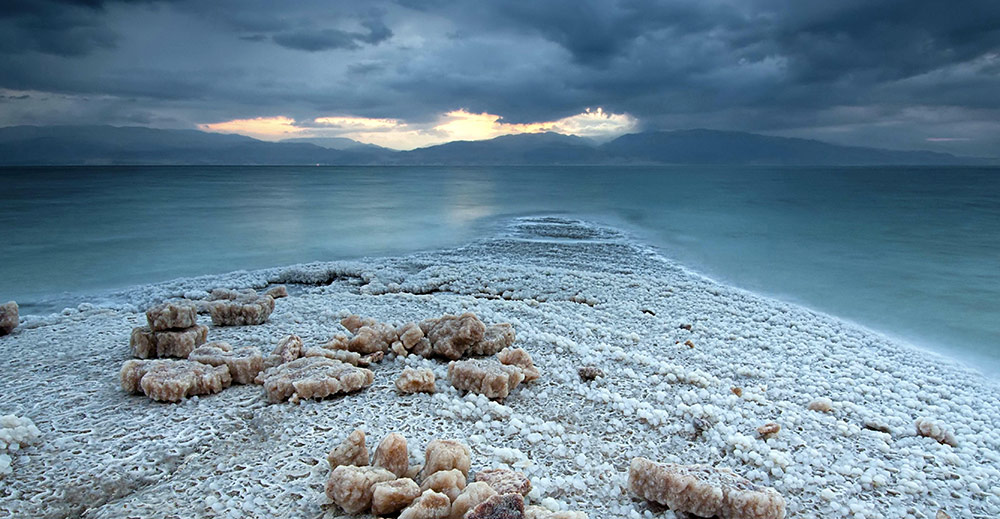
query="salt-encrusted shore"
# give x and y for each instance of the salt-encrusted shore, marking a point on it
(674, 347)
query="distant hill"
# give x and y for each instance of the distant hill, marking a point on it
(334, 143)
(97, 145)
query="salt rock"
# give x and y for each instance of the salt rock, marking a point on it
(288, 349)
(414, 471)
(430, 505)
(451, 335)
(769, 429)
(506, 506)
(487, 377)
(147, 344)
(312, 377)
(8, 317)
(415, 381)
(538, 512)
(242, 311)
(377, 337)
(168, 316)
(392, 455)
(353, 323)
(173, 380)
(448, 482)
(821, 404)
(505, 481)
(349, 357)
(521, 358)
(588, 373)
(244, 364)
(412, 338)
(935, 430)
(277, 292)
(352, 488)
(351, 451)
(390, 497)
(218, 294)
(338, 342)
(495, 338)
(371, 358)
(703, 491)
(474, 494)
(446, 455)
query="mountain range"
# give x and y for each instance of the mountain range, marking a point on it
(113, 145)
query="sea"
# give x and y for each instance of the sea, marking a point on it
(911, 252)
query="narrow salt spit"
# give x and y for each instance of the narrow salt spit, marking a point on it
(577, 295)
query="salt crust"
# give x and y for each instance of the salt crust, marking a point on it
(172, 315)
(500, 506)
(173, 380)
(520, 358)
(486, 377)
(474, 494)
(351, 451)
(505, 481)
(242, 311)
(352, 488)
(931, 429)
(244, 363)
(147, 344)
(430, 505)
(16, 433)
(703, 491)
(415, 381)
(312, 377)
(448, 482)
(538, 512)
(390, 497)
(392, 454)
(446, 455)
(8, 317)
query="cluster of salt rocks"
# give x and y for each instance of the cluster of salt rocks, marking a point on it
(8, 317)
(232, 308)
(172, 331)
(438, 489)
(15, 434)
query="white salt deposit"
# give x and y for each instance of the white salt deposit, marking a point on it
(576, 295)
(15, 434)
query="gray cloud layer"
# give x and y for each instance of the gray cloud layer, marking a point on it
(888, 73)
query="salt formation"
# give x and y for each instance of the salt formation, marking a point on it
(451, 335)
(486, 377)
(244, 363)
(312, 377)
(538, 512)
(173, 380)
(373, 338)
(349, 357)
(352, 488)
(495, 338)
(703, 491)
(277, 292)
(474, 494)
(170, 316)
(8, 317)
(242, 311)
(288, 349)
(501, 506)
(447, 455)
(411, 338)
(588, 373)
(147, 344)
(520, 358)
(505, 481)
(15, 434)
(351, 451)
(448, 482)
(390, 497)
(392, 455)
(769, 429)
(415, 381)
(430, 505)
(935, 430)
(821, 404)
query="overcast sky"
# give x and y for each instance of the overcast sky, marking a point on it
(913, 74)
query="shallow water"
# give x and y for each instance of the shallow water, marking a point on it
(912, 252)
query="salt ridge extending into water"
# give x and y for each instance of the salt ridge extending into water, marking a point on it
(577, 294)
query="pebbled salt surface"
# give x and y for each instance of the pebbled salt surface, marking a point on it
(577, 295)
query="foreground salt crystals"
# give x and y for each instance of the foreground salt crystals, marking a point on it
(288, 349)
(703, 491)
(501, 506)
(415, 381)
(8, 317)
(495, 338)
(16, 433)
(242, 311)
(451, 335)
(474, 494)
(430, 505)
(148, 344)
(171, 315)
(487, 377)
(392, 454)
(447, 455)
(173, 380)
(244, 363)
(935, 430)
(448, 482)
(312, 377)
(505, 481)
(390, 497)
(351, 451)
(520, 358)
(352, 488)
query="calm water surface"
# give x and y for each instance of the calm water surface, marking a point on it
(913, 252)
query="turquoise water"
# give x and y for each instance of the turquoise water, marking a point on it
(912, 252)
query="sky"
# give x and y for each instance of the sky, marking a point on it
(913, 74)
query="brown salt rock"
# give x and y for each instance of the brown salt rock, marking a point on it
(448, 482)
(288, 349)
(173, 380)
(371, 358)
(768, 430)
(486, 377)
(242, 311)
(351, 451)
(704, 491)
(390, 497)
(353, 323)
(415, 381)
(451, 335)
(348, 357)
(495, 338)
(244, 363)
(312, 377)
(505, 506)
(411, 338)
(505, 481)
(446, 455)
(521, 358)
(338, 342)
(8, 317)
(169, 315)
(219, 294)
(938, 431)
(392, 455)
(430, 505)
(474, 494)
(277, 291)
(147, 344)
(413, 472)
(376, 338)
(352, 488)
(588, 373)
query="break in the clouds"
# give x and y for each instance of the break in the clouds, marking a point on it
(915, 74)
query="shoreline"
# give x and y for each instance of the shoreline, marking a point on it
(577, 293)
